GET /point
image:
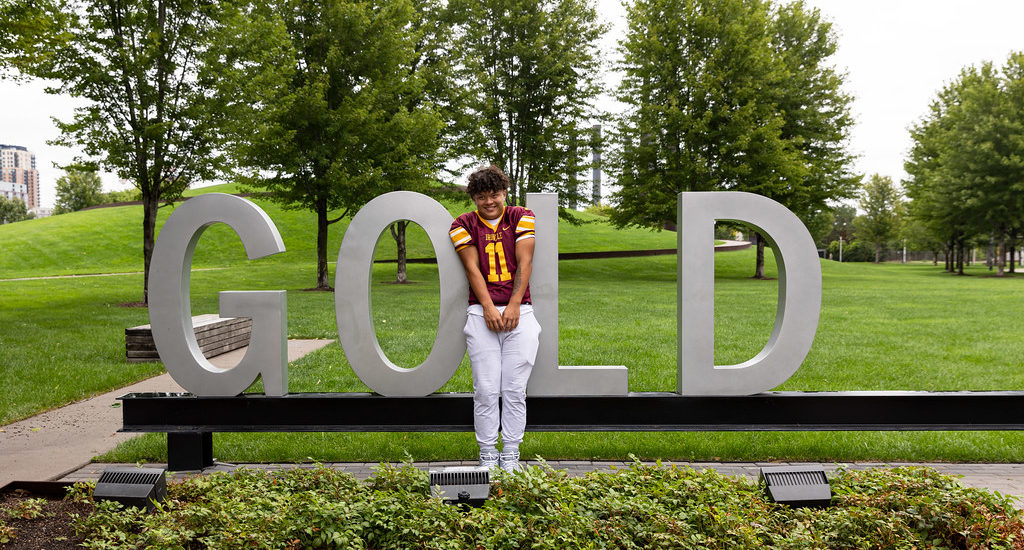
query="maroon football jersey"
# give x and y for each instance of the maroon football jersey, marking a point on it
(496, 246)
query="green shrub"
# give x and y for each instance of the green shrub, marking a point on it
(603, 210)
(125, 195)
(641, 507)
(855, 251)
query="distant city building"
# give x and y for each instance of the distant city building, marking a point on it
(18, 175)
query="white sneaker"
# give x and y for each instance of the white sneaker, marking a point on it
(509, 461)
(488, 459)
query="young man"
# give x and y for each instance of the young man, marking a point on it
(495, 243)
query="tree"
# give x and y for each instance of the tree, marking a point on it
(729, 95)
(29, 31)
(980, 157)
(432, 64)
(78, 189)
(880, 224)
(966, 166)
(146, 115)
(820, 226)
(842, 224)
(323, 104)
(934, 195)
(530, 79)
(13, 210)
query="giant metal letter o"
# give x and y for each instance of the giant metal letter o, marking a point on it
(352, 297)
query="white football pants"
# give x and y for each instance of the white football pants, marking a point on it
(502, 362)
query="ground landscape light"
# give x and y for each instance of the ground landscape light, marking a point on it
(141, 487)
(796, 486)
(464, 485)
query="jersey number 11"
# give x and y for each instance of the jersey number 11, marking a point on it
(492, 250)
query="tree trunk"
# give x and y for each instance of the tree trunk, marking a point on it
(150, 204)
(1001, 255)
(1013, 256)
(990, 255)
(759, 264)
(960, 257)
(878, 253)
(321, 245)
(398, 233)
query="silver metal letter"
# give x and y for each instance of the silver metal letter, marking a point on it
(352, 297)
(796, 319)
(170, 310)
(548, 378)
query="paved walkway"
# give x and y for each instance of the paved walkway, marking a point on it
(1007, 479)
(51, 444)
(98, 275)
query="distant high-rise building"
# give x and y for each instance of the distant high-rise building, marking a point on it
(18, 175)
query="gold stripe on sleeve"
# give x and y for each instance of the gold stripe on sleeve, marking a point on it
(459, 236)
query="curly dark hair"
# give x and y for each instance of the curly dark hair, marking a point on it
(487, 180)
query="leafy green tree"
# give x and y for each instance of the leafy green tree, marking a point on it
(985, 140)
(13, 210)
(932, 192)
(30, 32)
(966, 166)
(530, 75)
(323, 96)
(820, 225)
(729, 95)
(145, 114)
(78, 189)
(433, 65)
(920, 237)
(880, 224)
(842, 224)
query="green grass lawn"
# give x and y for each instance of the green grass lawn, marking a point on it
(884, 327)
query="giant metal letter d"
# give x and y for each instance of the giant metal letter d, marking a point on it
(796, 319)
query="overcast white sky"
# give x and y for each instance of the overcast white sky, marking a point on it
(897, 53)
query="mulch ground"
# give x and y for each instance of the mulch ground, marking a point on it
(51, 531)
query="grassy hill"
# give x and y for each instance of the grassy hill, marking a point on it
(109, 240)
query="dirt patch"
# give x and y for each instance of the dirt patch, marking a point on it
(132, 304)
(51, 530)
(328, 289)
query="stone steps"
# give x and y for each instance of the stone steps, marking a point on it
(214, 334)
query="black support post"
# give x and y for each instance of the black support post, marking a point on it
(189, 450)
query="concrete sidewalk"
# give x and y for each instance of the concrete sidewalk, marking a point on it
(51, 444)
(1007, 479)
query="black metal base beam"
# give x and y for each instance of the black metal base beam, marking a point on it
(648, 411)
(189, 450)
